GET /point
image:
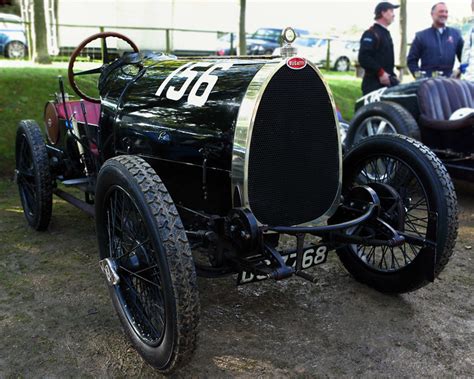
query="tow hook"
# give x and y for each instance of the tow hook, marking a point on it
(109, 268)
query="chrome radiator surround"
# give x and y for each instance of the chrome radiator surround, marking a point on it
(243, 138)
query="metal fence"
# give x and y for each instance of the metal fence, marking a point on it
(170, 40)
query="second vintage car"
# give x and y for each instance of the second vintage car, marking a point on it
(436, 111)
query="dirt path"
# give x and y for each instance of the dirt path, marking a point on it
(56, 318)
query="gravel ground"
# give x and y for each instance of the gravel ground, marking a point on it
(56, 318)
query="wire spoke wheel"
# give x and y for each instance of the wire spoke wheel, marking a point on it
(25, 176)
(33, 175)
(147, 261)
(414, 206)
(139, 289)
(417, 199)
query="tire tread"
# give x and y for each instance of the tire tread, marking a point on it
(400, 118)
(444, 252)
(178, 254)
(43, 177)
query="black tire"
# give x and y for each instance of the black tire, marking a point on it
(15, 50)
(339, 68)
(33, 175)
(398, 120)
(158, 309)
(424, 186)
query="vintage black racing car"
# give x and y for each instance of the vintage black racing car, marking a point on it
(437, 111)
(197, 166)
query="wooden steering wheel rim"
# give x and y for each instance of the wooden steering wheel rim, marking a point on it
(77, 51)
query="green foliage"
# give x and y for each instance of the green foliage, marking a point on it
(345, 92)
(25, 91)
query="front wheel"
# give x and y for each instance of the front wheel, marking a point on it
(147, 261)
(417, 197)
(383, 117)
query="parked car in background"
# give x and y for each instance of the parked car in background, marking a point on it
(12, 36)
(265, 40)
(343, 53)
(225, 43)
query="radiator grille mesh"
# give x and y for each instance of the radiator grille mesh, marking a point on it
(293, 172)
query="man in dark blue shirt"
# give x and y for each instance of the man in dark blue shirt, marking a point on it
(436, 46)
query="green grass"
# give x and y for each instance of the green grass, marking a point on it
(25, 90)
(345, 92)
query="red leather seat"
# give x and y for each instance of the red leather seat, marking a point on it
(92, 111)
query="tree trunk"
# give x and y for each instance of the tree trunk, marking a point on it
(56, 29)
(40, 41)
(403, 37)
(242, 34)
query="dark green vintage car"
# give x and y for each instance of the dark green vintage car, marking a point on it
(439, 112)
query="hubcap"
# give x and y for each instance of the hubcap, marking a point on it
(372, 126)
(404, 206)
(132, 266)
(109, 268)
(16, 50)
(342, 65)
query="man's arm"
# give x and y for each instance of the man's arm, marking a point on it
(414, 55)
(368, 46)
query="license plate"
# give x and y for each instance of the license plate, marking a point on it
(312, 256)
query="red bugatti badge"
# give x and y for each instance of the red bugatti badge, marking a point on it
(296, 63)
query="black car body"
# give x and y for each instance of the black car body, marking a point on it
(437, 111)
(223, 157)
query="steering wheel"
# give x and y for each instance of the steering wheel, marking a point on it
(70, 71)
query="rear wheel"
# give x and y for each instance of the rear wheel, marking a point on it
(33, 175)
(381, 118)
(342, 64)
(15, 50)
(147, 261)
(413, 186)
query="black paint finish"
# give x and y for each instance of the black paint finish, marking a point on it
(174, 136)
